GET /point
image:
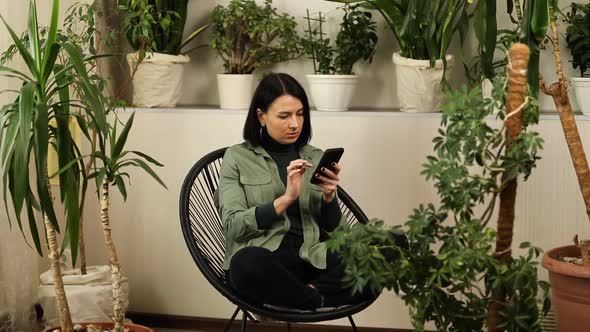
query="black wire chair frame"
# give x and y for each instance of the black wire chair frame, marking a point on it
(203, 233)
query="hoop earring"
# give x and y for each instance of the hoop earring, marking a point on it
(260, 133)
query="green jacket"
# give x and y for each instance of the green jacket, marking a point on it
(249, 177)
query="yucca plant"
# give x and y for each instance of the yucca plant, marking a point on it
(26, 133)
(56, 65)
(111, 172)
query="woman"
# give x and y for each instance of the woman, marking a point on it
(274, 219)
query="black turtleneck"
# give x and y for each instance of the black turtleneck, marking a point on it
(283, 154)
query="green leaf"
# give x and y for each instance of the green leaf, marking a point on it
(34, 34)
(50, 51)
(83, 126)
(72, 214)
(121, 186)
(11, 187)
(147, 168)
(148, 158)
(21, 159)
(540, 19)
(66, 167)
(193, 35)
(53, 52)
(11, 137)
(29, 200)
(122, 139)
(17, 73)
(5, 181)
(3, 112)
(93, 96)
(24, 53)
(40, 147)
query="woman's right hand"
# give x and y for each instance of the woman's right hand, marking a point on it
(295, 172)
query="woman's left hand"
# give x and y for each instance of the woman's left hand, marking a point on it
(329, 182)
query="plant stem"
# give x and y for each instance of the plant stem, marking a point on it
(558, 91)
(118, 311)
(518, 11)
(515, 97)
(65, 318)
(82, 246)
(81, 243)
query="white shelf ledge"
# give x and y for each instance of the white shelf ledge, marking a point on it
(395, 113)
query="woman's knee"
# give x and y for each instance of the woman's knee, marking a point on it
(248, 262)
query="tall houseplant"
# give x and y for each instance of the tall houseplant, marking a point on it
(110, 164)
(25, 135)
(577, 38)
(450, 274)
(424, 30)
(571, 283)
(154, 29)
(333, 83)
(247, 36)
(57, 66)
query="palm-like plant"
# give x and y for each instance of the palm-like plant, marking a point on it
(56, 65)
(114, 162)
(25, 133)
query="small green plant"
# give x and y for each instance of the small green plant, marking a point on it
(356, 40)
(578, 36)
(157, 26)
(449, 275)
(247, 36)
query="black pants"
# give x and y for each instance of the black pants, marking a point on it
(282, 278)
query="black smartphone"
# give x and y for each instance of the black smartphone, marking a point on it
(330, 156)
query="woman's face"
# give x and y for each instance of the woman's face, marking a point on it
(284, 119)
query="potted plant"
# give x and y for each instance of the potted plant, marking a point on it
(247, 36)
(154, 30)
(333, 83)
(570, 282)
(56, 65)
(423, 30)
(25, 133)
(450, 274)
(577, 37)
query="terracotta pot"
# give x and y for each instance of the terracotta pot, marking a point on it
(131, 327)
(570, 289)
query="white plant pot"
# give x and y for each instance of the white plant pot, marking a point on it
(235, 90)
(90, 296)
(418, 85)
(582, 91)
(332, 92)
(158, 79)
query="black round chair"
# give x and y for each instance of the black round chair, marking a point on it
(203, 233)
